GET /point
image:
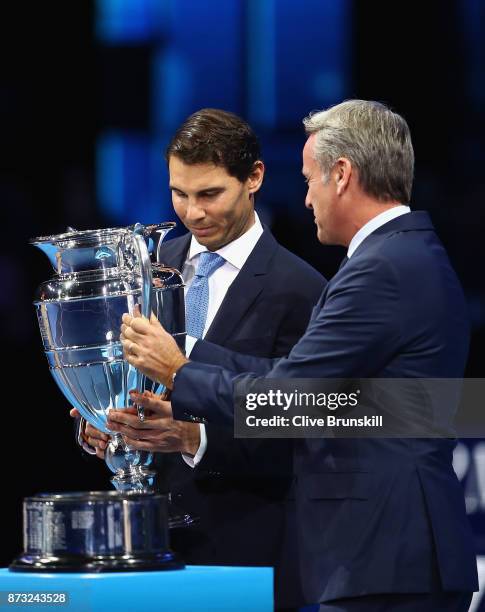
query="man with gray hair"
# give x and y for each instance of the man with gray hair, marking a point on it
(382, 523)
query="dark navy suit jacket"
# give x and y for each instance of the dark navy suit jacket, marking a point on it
(374, 515)
(240, 487)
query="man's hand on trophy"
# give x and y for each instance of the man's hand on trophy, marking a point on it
(92, 436)
(159, 432)
(150, 349)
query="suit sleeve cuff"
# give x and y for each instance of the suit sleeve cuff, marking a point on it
(197, 458)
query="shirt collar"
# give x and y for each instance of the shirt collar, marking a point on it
(373, 224)
(237, 251)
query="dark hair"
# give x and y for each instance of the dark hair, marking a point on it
(217, 136)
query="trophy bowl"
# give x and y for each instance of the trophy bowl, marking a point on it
(95, 531)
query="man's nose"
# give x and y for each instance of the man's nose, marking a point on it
(308, 202)
(194, 211)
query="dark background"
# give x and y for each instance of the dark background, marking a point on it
(90, 92)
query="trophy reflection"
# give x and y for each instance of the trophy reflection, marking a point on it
(101, 274)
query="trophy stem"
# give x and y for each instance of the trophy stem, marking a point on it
(134, 479)
(130, 466)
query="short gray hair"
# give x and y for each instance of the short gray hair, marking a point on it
(373, 138)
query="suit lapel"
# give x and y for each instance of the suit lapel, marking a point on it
(246, 287)
(174, 252)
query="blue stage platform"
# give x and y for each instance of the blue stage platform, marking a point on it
(194, 589)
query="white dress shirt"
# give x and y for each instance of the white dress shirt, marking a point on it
(235, 253)
(373, 224)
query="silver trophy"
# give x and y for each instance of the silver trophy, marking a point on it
(101, 274)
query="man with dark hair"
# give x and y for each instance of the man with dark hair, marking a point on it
(247, 293)
(381, 521)
(219, 137)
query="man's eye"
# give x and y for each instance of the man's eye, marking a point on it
(179, 194)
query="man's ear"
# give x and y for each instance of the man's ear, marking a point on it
(255, 179)
(341, 174)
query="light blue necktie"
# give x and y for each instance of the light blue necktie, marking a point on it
(197, 298)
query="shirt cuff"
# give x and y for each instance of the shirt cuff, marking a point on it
(189, 344)
(197, 458)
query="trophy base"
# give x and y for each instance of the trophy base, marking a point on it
(96, 531)
(97, 564)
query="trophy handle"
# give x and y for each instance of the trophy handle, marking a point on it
(145, 268)
(146, 294)
(130, 466)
